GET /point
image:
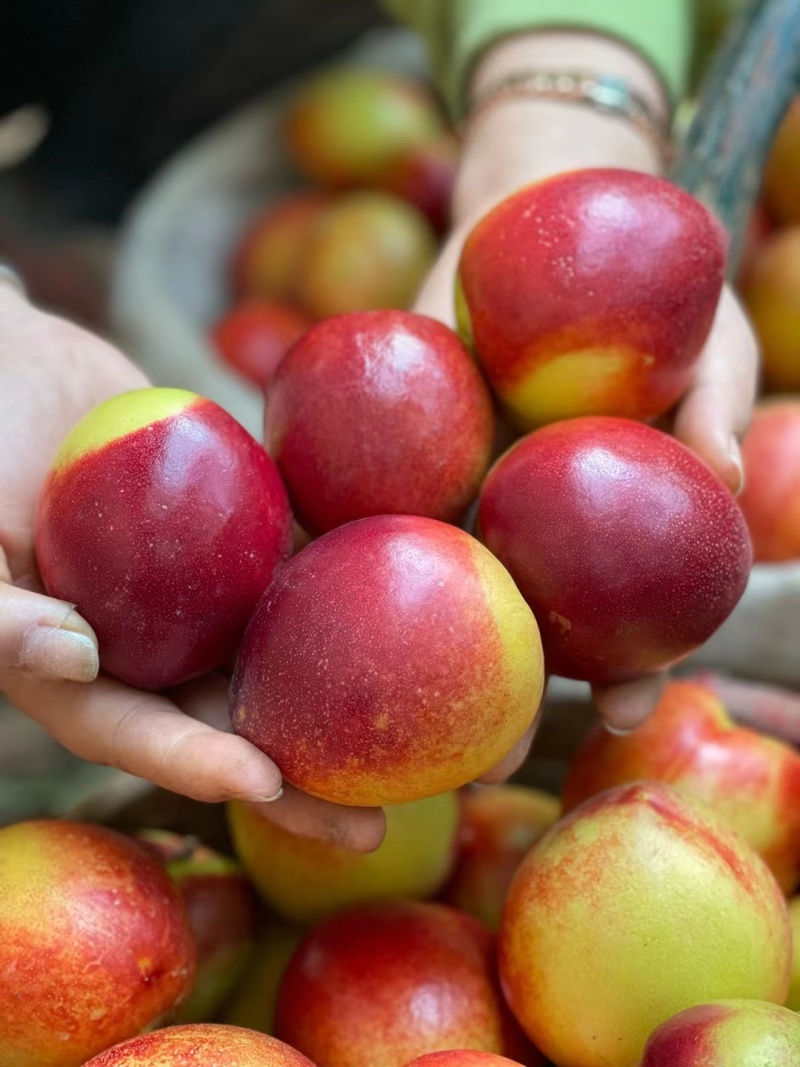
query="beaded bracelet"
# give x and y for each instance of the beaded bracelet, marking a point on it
(600, 92)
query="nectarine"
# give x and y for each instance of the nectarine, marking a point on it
(163, 520)
(390, 660)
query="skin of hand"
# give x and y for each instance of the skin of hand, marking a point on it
(519, 141)
(51, 374)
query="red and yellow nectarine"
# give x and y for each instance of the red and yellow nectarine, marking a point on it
(591, 293)
(390, 660)
(629, 550)
(163, 520)
(379, 412)
(95, 943)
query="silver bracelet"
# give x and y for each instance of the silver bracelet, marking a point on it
(8, 274)
(604, 93)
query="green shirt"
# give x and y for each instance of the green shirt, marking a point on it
(664, 32)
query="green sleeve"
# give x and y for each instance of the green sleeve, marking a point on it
(457, 31)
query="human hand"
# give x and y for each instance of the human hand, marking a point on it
(520, 141)
(51, 374)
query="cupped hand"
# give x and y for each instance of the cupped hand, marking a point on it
(521, 141)
(51, 374)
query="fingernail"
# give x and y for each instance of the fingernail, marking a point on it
(735, 455)
(73, 623)
(266, 800)
(49, 652)
(619, 731)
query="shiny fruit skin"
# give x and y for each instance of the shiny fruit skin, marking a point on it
(94, 942)
(201, 1045)
(165, 536)
(376, 985)
(634, 907)
(255, 336)
(379, 412)
(750, 781)
(390, 660)
(592, 293)
(628, 549)
(727, 1033)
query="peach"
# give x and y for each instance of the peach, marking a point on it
(499, 825)
(368, 250)
(305, 880)
(771, 496)
(377, 985)
(772, 298)
(346, 124)
(591, 293)
(379, 412)
(255, 336)
(163, 520)
(632, 908)
(390, 660)
(222, 912)
(201, 1045)
(728, 1033)
(252, 1003)
(782, 174)
(424, 175)
(94, 942)
(752, 782)
(267, 260)
(793, 998)
(628, 549)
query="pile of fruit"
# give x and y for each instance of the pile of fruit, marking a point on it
(375, 162)
(394, 650)
(638, 919)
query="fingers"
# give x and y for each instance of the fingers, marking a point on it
(715, 413)
(43, 637)
(358, 829)
(436, 298)
(147, 736)
(766, 708)
(626, 706)
(516, 757)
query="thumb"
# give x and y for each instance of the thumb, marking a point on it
(43, 637)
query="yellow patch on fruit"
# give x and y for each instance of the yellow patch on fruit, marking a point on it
(518, 632)
(304, 880)
(595, 381)
(120, 416)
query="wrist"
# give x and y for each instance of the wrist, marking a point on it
(523, 138)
